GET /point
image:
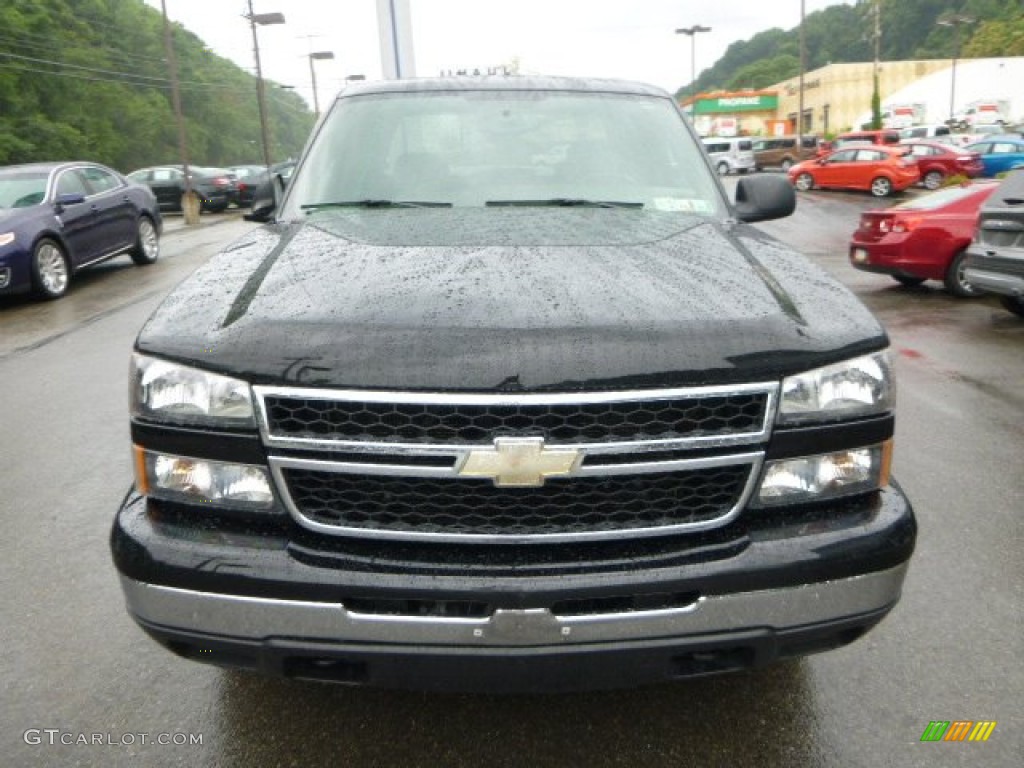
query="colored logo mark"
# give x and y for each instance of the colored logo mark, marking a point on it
(958, 730)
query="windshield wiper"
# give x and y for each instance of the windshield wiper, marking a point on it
(374, 203)
(565, 202)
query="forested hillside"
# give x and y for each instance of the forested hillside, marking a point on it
(87, 79)
(845, 33)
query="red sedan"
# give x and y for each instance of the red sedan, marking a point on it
(877, 169)
(938, 161)
(923, 239)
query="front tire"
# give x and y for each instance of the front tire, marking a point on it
(933, 179)
(881, 187)
(1013, 304)
(50, 271)
(956, 278)
(147, 243)
(723, 169)
(804, 182)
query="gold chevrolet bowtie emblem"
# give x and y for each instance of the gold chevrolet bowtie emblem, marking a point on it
(519, 462)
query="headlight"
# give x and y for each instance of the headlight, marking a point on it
(166, 391)
(6, 238)
(202, 481)
(827, 476)
(859, 387)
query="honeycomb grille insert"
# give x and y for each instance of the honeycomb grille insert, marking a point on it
(292, 417)
(581, 505)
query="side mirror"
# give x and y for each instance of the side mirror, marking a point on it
(266, 199)
(763, 198)
(68, 198)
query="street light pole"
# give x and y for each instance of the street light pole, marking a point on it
(691, 32)
(312, 75)
(254, 19)
(955, 20)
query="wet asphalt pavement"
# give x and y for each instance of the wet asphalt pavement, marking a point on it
(75, 668)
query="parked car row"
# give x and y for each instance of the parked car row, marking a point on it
(883, 168)
(742, 154)
(879, 169)
(217, 187)
(969, 236)
(57, 218)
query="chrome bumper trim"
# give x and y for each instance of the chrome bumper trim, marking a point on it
(997, 282)
(255, 618)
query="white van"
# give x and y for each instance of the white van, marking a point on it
(730, 155)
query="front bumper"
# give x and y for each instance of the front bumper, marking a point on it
(739, 599)
(999, 275)
(14, 270)
(517, 650)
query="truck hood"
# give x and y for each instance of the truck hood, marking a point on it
(522, 299)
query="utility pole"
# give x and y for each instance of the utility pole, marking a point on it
(876, 95)
(189, 205)
(803, 69)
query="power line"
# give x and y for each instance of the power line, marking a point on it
(119, 81)
(46, 42)
(80, 67)
(133, 78)
(72, 75)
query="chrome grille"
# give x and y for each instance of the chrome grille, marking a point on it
(398, 464)
(723, 415)
(565, 507)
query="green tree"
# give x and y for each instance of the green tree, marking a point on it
(876, 106)
(761, 74)
(86, 79)
(845, 33)
(997, 38)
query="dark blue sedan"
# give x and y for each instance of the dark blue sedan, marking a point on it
(56, 218)
(999, 153)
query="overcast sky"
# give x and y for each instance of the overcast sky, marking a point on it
(631, 39)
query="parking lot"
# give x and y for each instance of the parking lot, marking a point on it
(75, 665)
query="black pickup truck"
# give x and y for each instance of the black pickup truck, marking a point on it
(507, 395)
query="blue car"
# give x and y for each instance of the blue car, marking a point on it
(56, 218)
(999, 153)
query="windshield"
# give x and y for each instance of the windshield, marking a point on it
(22, 188)
(488, 148)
